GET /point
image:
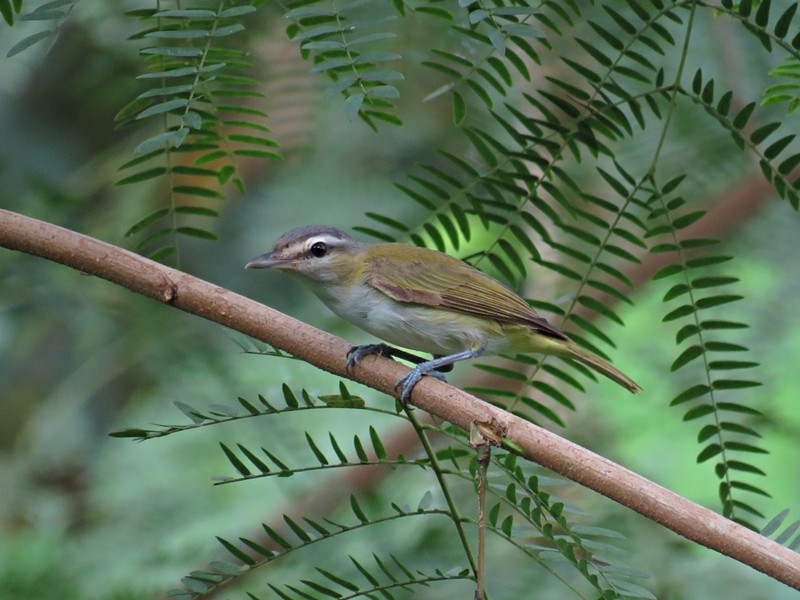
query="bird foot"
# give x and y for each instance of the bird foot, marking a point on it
(407, 382)
(434, 369)
(357, 353)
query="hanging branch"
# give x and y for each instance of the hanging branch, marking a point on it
(328, 352)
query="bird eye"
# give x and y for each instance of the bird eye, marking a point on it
(319, 249)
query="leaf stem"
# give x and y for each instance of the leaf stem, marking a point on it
(455, 515)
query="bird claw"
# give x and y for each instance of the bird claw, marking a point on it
(357, 353)
(426, 367)
(407, 382)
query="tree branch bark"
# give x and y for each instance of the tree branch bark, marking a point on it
(328, 352)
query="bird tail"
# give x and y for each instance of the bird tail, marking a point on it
(590, 359)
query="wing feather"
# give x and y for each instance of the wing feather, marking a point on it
(453, 285)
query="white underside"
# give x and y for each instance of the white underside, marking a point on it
(422, 328)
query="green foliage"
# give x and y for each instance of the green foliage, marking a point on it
(563, 167)
(53, 13)
(523, 513)
(698, 292)
(201, 104)
(788, 92)
(344, 41)
(9, 8)
(521, 193)
(516, 183)
(788, 536)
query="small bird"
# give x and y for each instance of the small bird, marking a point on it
(420, 299)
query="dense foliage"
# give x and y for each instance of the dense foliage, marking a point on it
(580, 143)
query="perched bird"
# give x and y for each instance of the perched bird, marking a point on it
(420, 299)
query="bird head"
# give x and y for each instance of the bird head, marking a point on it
(320, 253)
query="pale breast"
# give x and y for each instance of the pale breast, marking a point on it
(423, 328)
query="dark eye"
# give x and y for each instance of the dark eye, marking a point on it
(319, 249)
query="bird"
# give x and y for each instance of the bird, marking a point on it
(420, 299)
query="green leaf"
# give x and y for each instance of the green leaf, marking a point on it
(744, 115)
(742, 447)
(459, 108)
(357, 511)
(709, 452)
(599, 307)
(556, 395)
(43, 14)
(507, 525)
(377, 445)
(289, 397)
(667, 271)
(170, 138)
(686, 357)
(197, 233)
(680, 312)
(383, 91)
(280, 464)
(130, 433)
(227, 30)
(193, 190)
(301, 533)
(774, 149)
(29, 41)
(276, 537)
(323, 460)
(186, 14)
(727, 365)
(734, 384)
(147, 221)
(260, 464)
(142, 176)
(239, 554)
(163, 107)
(688, 219)
(359, 449)
(763, 132)
(675, 291)
(7, 11)
(704, 303)
(236, 11)
(785, 20)
(338, 580)
(352, 106)
(235, 461)
(690, 394)
(775, 523)
(698, 412)
(736, 465)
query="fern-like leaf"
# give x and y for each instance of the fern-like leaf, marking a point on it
(698, 291)
(345, 42)
(201, 102)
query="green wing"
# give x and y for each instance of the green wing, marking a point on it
(431, 278)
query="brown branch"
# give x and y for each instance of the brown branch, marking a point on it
(328, 352)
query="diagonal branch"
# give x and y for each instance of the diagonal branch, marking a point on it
(328, 352)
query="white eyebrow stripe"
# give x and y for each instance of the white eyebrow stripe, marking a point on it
(326, 239)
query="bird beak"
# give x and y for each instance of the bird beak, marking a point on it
(267, 261)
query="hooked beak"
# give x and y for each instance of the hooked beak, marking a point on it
(267, 261)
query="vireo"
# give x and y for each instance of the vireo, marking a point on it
(420, 299)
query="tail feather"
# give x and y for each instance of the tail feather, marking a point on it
(590, 359)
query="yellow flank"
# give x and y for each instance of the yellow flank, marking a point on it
(522, 339)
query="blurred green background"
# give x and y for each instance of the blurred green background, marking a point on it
(83, 515)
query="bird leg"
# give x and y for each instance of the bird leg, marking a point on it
(356, 353)
(432, 368)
